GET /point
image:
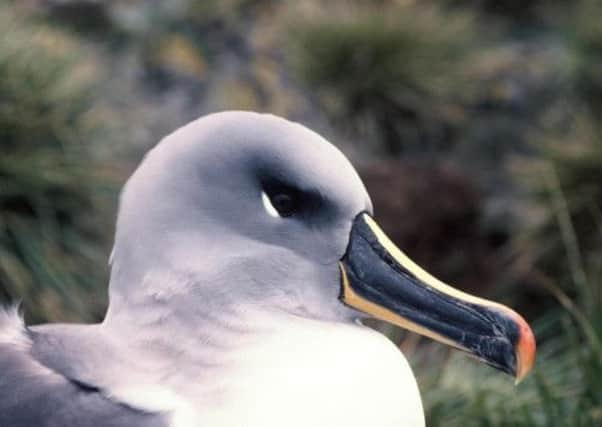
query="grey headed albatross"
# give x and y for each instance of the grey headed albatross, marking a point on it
(245, 253)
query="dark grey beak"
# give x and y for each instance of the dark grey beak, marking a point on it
(380, 280)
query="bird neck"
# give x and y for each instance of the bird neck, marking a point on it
(255, 367)
(185, 353)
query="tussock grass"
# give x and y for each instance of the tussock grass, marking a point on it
(50, 243)
(389, 71)
(564, 389)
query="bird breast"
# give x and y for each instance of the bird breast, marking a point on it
(312, 373)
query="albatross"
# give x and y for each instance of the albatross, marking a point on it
(245, 254)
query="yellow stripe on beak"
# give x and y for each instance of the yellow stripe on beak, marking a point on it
(379, 312)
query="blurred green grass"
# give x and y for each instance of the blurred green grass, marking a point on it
(394, 71)
(50, 242)
(506, 92)
(564, 389)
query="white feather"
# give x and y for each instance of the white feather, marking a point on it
(12, 328)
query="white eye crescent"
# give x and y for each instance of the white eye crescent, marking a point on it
(267, 204)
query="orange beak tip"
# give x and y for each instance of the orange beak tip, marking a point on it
(525, 350)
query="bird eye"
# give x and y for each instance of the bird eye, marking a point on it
(279, 204)
(284, 204)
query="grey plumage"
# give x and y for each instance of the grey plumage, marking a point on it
(34, 394)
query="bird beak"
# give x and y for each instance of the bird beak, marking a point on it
(380, 280)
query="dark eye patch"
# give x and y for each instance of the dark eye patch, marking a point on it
(289, 200)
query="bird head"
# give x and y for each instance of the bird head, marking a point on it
(239, 213)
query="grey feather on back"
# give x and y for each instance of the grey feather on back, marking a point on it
(34, 395)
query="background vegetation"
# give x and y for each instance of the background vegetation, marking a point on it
(475, 124)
